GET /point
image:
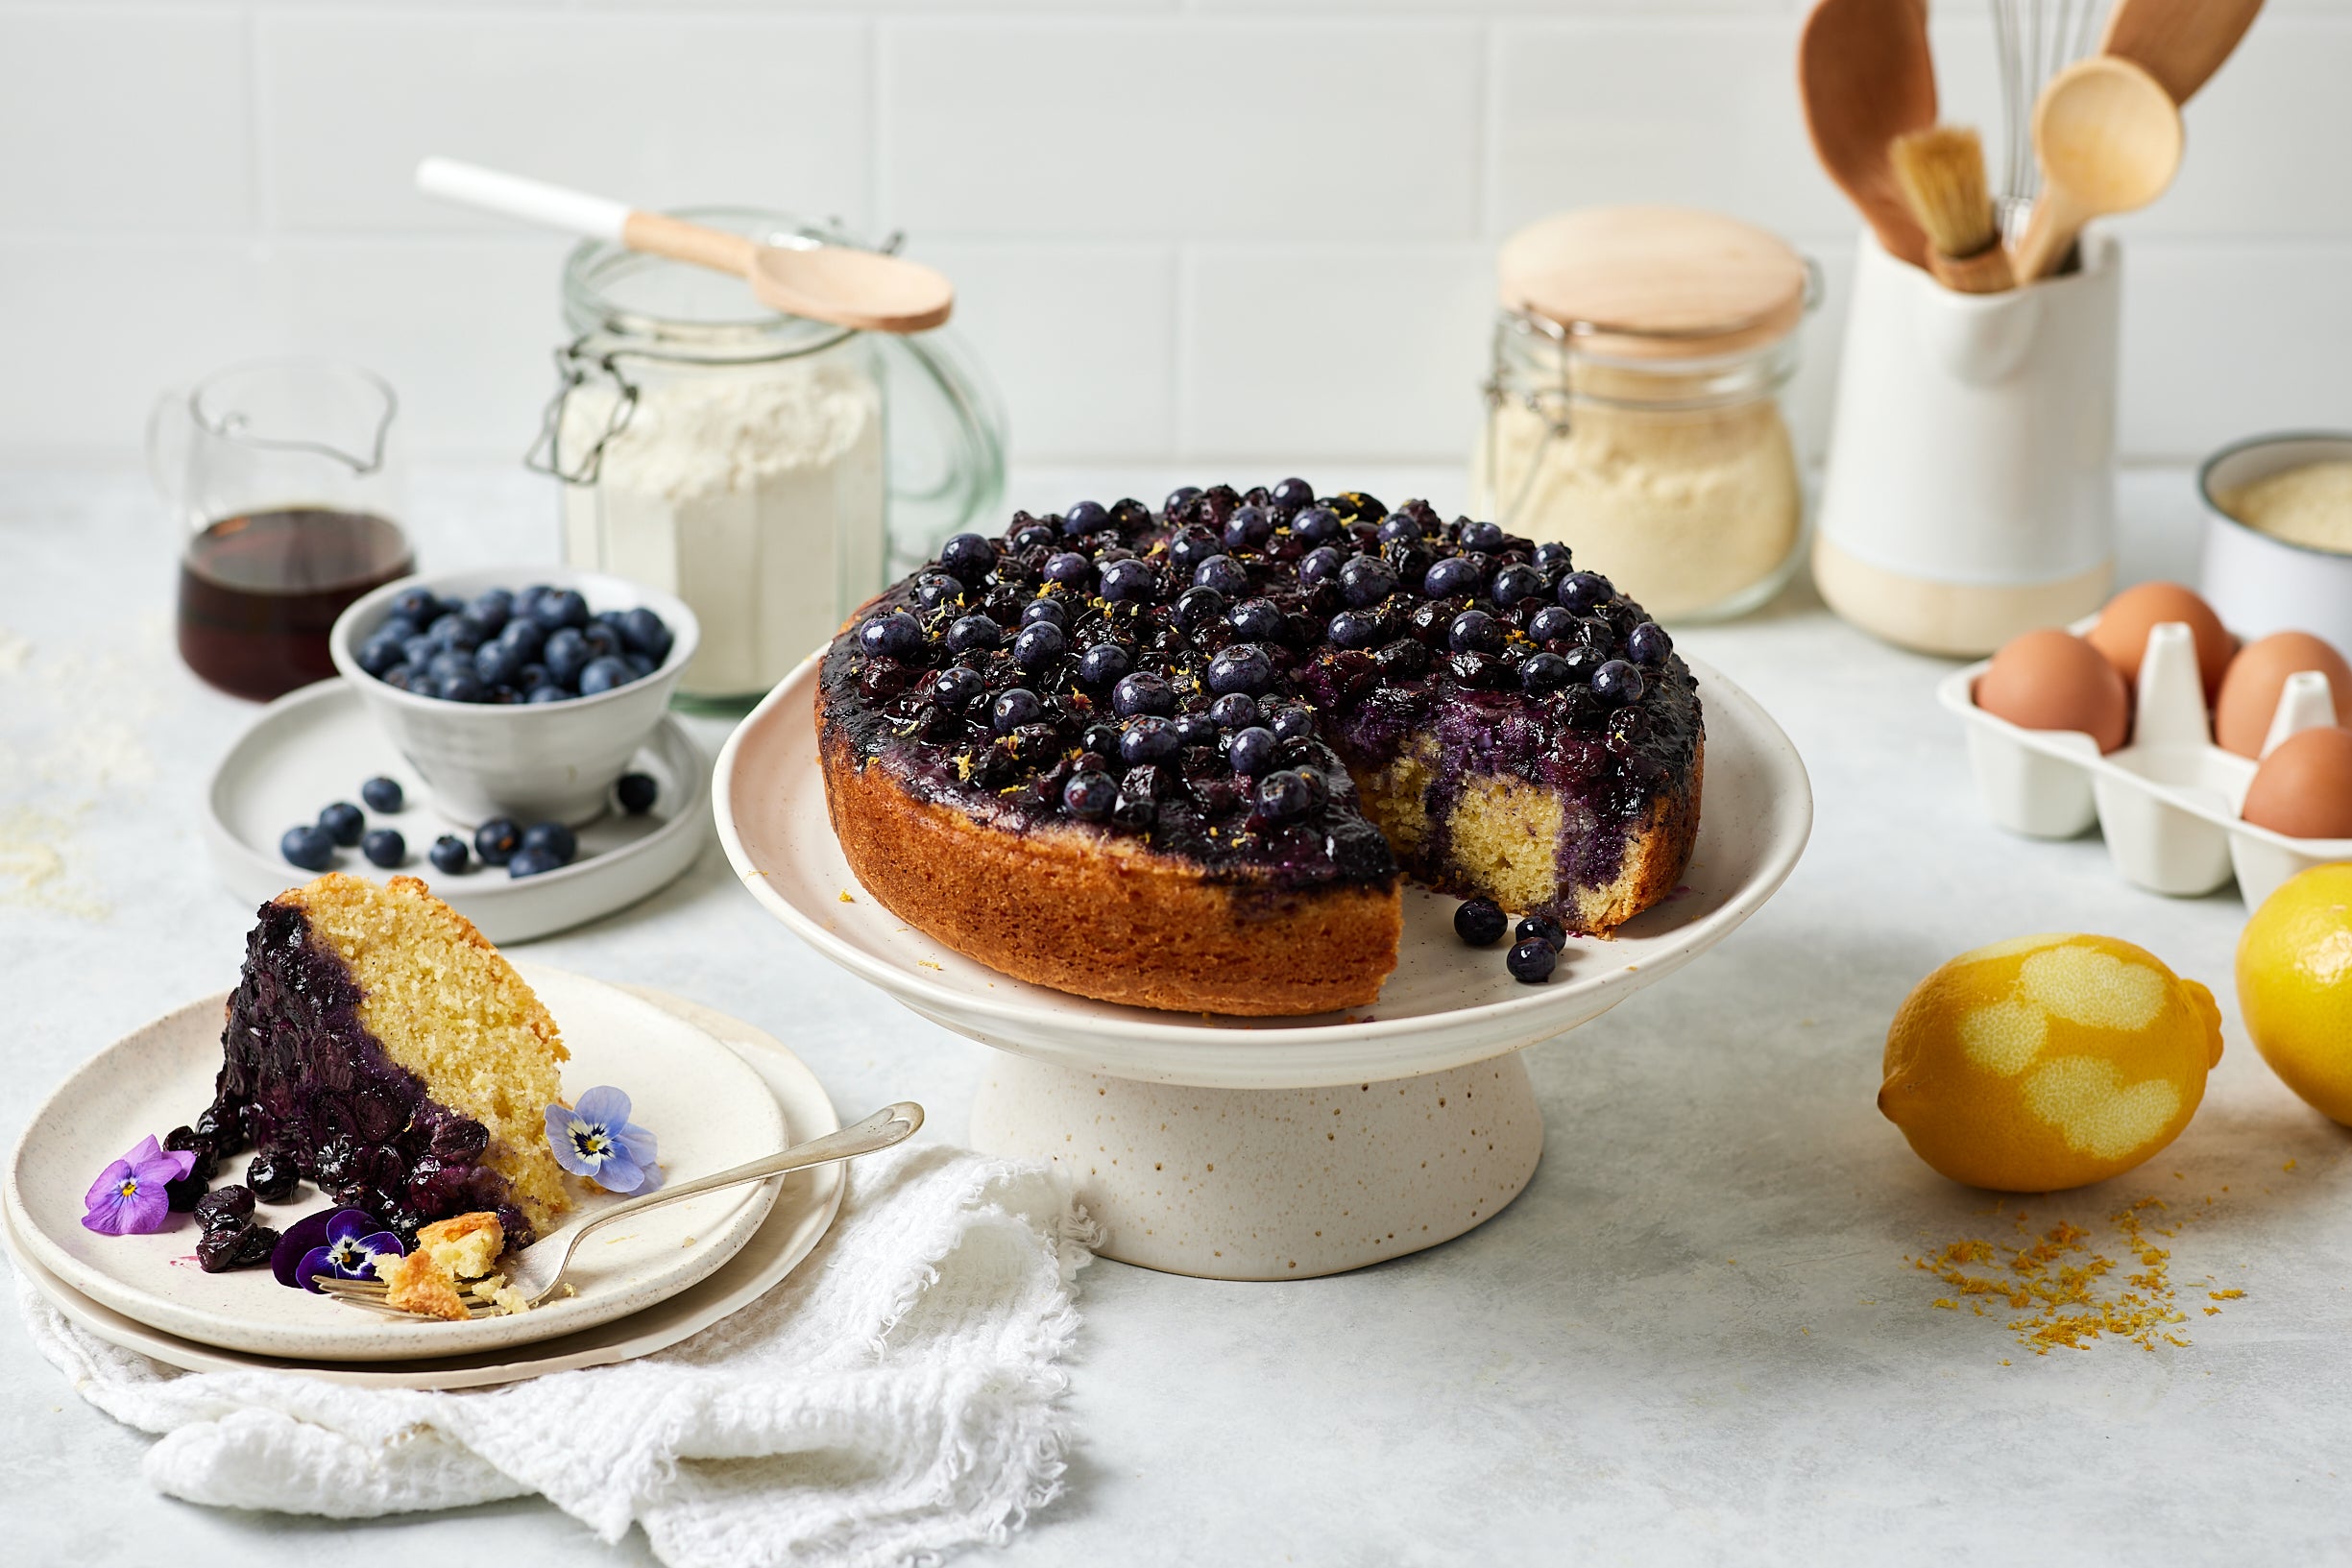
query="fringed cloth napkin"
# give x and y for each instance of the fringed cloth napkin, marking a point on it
(898, 1396)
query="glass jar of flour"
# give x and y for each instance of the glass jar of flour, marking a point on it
(772, 471)
(1633, 405)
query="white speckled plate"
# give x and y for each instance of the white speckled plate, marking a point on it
(706, 1106)
(803, 1212)
(1445, 1005)
(318, 745)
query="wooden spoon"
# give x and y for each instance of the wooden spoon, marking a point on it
(863, 289)
(2109, 140)
(1866, 78)
(2179, 43)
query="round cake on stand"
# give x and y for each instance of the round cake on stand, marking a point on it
(1269, 1147)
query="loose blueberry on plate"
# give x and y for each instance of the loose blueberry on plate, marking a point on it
(1532, 961)
(384, 847)
(552, 839)
(496, 840)
(448, 855)
(272, 1175)
(382, 794)
(532, 863)
(245, 1246)
(309, 846)
(1479, 922)
(1540, 929)
(344, 823)
(637, 793)
(225, 1208)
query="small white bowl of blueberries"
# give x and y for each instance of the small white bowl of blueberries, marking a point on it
(518, 693)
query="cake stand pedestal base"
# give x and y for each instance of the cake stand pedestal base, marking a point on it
(1272, 1183)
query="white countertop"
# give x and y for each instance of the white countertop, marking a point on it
(1694, 1337)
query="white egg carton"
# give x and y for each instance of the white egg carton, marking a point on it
(2167, 803)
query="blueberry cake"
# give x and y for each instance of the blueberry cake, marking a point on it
(379, 1046)
(1183, 759)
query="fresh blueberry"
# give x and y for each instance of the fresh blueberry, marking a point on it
(1399, 527)
(1366, 581)
(1449, 577)
(967, 558)
(1248, 528)
(639, 667)
(1085, 518)
(1090, 796)
(1196, 730)
(448, 855)
(1474, 631)
(1222, 572)
(1479, 922)
(1516, 582)
(1583, 590)
(384, 847)
(492, 609)
(566, 655)
(496, 840)
(1540, 929)
(382, 794)
(418, 651)
(973, 633)
(379, 654)
(532, 863)
(1241, 667)
(561, 607)
(311, 847)
(549, 693)
(533, 675)
(1103, 664)
(525, 634)
(1180, 498)
(450, 661)
(344, 823)
(1199, 607)
(1124, 580)
(1038, 646)
(1294, 494)
(416, 606)
(1546, 672)
(1292, 723)
(1486, 537)
(638, 791)
(1618, 684)
(1014, 709)
(1354, 629)
(894, 636)
(1316, 524)
(1037, 610)
(1318, 564)
(1551, 621)
(498, 663)
(603, 642)
(1149, 739)
(1648, 644)
(1285, 794)
(935, 588)
(551, 838)
(1141, 694)
(1531, 963)
(1552, 557)
(1069, 569)
(601, 675)
(1234, 710)
(1252, 750)
(1258, 619)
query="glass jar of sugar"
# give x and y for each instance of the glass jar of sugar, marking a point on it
(1633, 403)
(774, 472)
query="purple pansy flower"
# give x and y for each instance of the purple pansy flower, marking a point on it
(355, 1239)
(595, 1139)
(128, 1198)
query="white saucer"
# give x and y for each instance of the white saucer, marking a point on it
(706, 1106)
(803, 1212)
(317, 745)
(1445, 1006)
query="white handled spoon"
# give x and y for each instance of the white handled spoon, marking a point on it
(864, 289)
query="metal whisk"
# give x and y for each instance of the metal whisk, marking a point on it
(2034, 40)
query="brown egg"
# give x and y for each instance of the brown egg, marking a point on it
(2249, 692)
(2053, 680)
(2303, 788)
(2123, 627)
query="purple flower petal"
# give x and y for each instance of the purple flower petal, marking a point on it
(636, 1144)
(146, 1152)
(560, 1143)
(351, 1224)
(315, 1262)
(649, 1178)
(620, 1174)
(106, 1189)
(380, 1246)
(174, 1164)
(146, 1211)
(299, 1239)
(603, 1104)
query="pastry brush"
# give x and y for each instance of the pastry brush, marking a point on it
(1940, 172)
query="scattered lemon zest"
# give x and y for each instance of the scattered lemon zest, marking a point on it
(845, 898)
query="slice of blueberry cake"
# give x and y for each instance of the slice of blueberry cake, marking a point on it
(1180, 759)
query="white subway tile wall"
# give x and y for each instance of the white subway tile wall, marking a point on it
(1186, 232)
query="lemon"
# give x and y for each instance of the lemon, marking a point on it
(2049, 1062)
(2294, 986)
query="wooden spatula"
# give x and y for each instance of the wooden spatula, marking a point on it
(2179, 43)
(1866, 78)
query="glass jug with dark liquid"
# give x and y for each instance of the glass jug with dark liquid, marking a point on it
(283, 480)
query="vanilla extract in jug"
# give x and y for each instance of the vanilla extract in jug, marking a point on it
(258, 591)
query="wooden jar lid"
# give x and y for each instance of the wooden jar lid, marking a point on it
(1657, 282)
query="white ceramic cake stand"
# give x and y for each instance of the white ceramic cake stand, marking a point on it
(1269, 1149)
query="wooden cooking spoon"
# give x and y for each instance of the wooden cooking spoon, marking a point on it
(863, 289)
(2179, 43)
(1866, 77)
(2109, 140)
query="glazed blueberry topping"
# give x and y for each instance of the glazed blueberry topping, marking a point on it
(1285, 794)
(1196, 730)
(1315, 524)
(1366, 581)
(448, 855)
(1085, 518)
(551, 838)
(309, 846)
(1104, 664)
(382, 794)
(1090, 796)
(1149, 739)
(1451, 577)
(1648, 644)
(1294, 494)
(271, 1176)
(1516, 582)
(245, 1246)
(1474, 631)
(1617, 682)
(1248, 528)
(1479, 922)
(1069, 569)
(1222, 572)
(1037, 610)
(935, 588)
(1234, 710)
(1014, 709)
(894, 636)
(344, 823)
(1354, 629)
(1399, 527)
(1197, 607)
(1258, 619)
(1583, 590)
(1550, 622)
(1128, 582)
(1531, 962)
(1243, 668)
(973, 633)
(1485, 538)
(637, 793)
(967, 558)
(1180, 497)
(1252, 750)
(1318, 565)
(225, 1208)
(1546, 672)
(496, 840)
(1033, 536)
(384, 847)
(1552, 558)
(1143, 694)
(955, 686)
(1540, 929)
(1291, 723)
(1038, 646)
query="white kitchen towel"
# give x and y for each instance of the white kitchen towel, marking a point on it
(898, 1396)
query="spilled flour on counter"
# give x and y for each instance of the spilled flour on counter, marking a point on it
(70, 744)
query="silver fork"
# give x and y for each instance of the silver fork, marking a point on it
(538, 1269)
